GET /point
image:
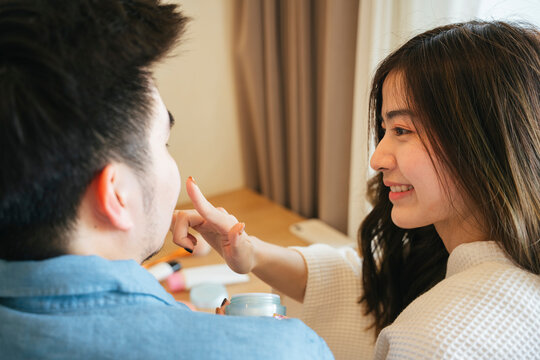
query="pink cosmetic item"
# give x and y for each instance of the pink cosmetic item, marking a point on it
(193, 276)
(162, 270)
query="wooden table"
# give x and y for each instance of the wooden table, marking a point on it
(263, 218)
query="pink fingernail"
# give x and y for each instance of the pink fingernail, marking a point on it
(193, 180)
(242, 229)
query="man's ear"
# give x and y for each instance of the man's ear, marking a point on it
(110, 198)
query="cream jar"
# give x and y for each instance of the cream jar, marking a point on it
(256, 304)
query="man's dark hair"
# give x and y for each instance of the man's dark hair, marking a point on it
(74, 95)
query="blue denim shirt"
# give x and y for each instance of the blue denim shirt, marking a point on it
(86, 307)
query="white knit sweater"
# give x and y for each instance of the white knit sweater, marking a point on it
(485, 308)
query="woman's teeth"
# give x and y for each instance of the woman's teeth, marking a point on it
(401, 188)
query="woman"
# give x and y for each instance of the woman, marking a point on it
(451, 249)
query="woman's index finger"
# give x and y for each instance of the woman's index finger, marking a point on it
(201, 204)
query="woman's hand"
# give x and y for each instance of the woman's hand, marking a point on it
(221, 310)
(220, 229)
(282, 268)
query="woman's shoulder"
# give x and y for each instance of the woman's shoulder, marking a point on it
(490, 307)
(480, 293)
(490, 285)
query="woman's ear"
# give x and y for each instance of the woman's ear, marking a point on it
(110, 196)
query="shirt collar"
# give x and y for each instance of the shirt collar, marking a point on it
(77, 275)
(468, 255)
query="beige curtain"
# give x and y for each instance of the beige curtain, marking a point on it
(294, 68)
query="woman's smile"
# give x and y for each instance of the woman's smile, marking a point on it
(400, 192)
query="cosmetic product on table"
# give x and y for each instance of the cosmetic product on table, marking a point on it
(163, 270)
(193, 276)
(208, 296)
(256, 304)
(180, 252)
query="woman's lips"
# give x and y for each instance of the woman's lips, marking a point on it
(398, 192)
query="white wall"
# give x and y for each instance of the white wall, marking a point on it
(197, 87)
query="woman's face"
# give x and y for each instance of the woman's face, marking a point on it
(416, 192)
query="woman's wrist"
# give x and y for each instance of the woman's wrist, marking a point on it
(258, 252)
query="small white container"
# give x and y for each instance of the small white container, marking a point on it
(256, 304)
(162, 270)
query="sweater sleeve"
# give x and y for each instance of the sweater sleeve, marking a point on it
(331, 305)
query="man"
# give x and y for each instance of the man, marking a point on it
(87, 192)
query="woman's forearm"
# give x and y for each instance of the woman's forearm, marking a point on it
(282, 268)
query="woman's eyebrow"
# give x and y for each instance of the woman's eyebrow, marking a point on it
(399, 112)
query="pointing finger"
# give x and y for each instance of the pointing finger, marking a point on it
(202, 205)
(219, 218)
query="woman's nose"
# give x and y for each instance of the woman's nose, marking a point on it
(383, 158)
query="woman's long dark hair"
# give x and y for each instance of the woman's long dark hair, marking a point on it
(475, 88)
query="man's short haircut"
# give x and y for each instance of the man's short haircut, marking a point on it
(74, 96)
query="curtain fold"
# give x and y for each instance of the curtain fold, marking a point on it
(336, 108)
(295, 78)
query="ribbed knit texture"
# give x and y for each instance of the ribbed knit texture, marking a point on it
(486, 308)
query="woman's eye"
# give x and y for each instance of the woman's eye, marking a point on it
(401, 131)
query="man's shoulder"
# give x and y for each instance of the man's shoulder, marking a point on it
(216, 336)
(267, 337)
(160, 330)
